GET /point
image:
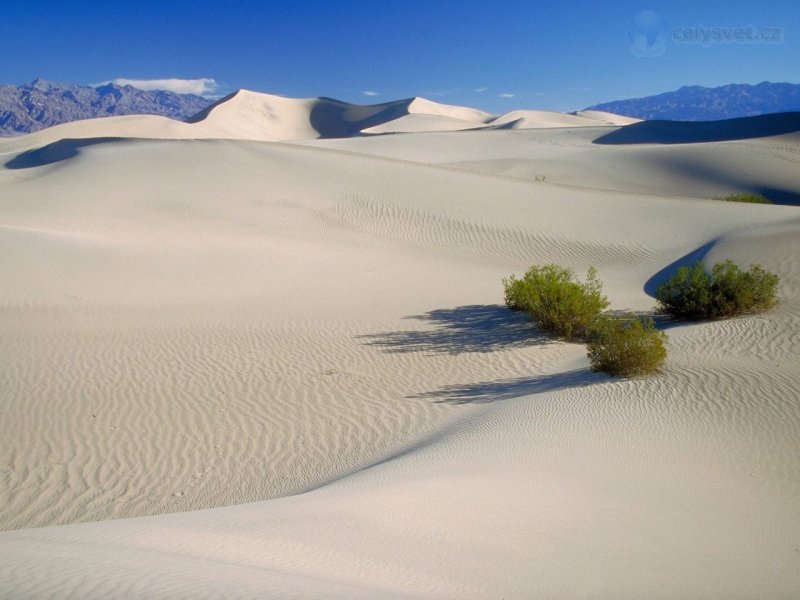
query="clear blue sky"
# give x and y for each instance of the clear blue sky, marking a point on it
(493, 55)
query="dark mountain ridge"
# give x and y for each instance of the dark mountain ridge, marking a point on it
(40, 104)
(698, 103)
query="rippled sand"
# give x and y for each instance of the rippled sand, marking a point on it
(222, 325)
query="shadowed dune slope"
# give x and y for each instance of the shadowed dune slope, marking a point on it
(693, 132)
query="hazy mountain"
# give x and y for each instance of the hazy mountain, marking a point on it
(697, 103)
(41, 104)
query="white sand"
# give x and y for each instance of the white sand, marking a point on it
(221, 324)
(536, 119)
(606, 118)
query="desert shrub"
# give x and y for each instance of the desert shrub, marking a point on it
(556, 300)
(514, 293)
(626, 346)
(734, 291)
(696, 295)
(751, 198)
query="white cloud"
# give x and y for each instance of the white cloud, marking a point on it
(370, 93)
(506, 95)
(202, 87)
(480, 90)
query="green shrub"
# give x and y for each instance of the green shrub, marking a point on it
(556, 300)
(514, 293)
(695, 295)
(751, 198)
(627, 346)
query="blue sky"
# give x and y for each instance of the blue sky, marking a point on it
(493, 55)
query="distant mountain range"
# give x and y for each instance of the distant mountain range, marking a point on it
(697, 103)
(39, 104)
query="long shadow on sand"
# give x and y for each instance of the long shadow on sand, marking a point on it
(493, 391)
(686, 166)
(476, 328)
(694, 132)
(651, 285)
(55, 152)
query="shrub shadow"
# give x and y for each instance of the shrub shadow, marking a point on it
(778, 195)
(493, 391)
(475, 328)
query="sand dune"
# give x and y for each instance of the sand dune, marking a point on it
(569, 158)
(251, 115)
(246, 115)
(416, 123)
(284, 370)
(606, 118)
(536, 119)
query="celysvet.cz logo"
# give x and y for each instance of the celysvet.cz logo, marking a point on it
(650, 34)
(748, 34)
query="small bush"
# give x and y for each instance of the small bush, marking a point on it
(751, 198)
(626, 347)
(515, 292)
(695, 295)
(556, 300)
